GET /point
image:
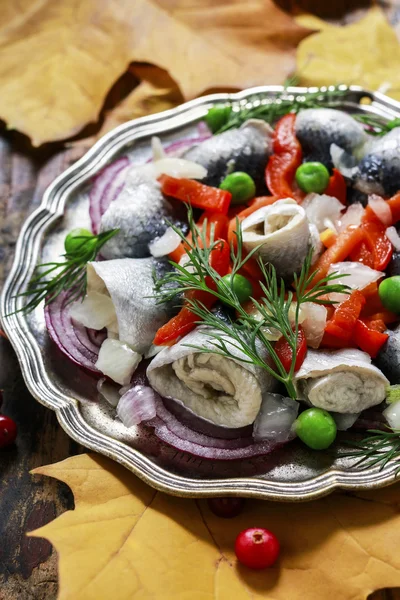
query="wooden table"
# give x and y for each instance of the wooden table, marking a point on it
(28, 566)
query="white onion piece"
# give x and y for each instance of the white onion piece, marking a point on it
(381, 209)
(276, 417)
(165, 244)
(179, 167)
(313, 322)
(323, 210)
(393, 236)
(338, 156)
(136, 405)
(344, 420)
(153, 350)
(315, 242)
(392, 415)
(108, 391)
(95, 312)
(157, 148)
(358, 275)
(352, 216)
(185, 262)
(117, 360)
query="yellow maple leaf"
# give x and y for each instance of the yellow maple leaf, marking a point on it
(126, 541)
(59, 59)
(366, 53)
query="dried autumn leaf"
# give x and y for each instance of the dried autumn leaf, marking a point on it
(156, 91)
(366, 53)
(124, 536)
(59, 59)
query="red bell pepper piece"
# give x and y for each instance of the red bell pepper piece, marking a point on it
(196, 194)
(394, 204)
(287, 157)
(376, 249)
(185, 320)
(285, 353)
(378, 244)
(368, 339)
(340, 327)
(344, 244)
(337, 186)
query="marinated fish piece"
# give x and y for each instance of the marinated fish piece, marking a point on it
(141, 213)
(129, 284)
(388, 359)
(226, 392)
(283, 230)
(379, 169)
(245, 149)
(318, 128)
(343, 381)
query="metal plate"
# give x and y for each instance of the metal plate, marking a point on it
(293, 473)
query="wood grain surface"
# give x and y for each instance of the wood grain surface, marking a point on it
(28, 566)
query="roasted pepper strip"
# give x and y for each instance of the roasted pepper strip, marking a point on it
(339, 329)
(339, 251)
(285, 353)
(287, 157)
(367, 338)
(185, 320)
(337, 186)
(196, 194)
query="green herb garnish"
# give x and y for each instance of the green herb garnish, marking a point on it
(375, 124)
(270, 110)
(52, 278)
(247, 332)
(377, 449)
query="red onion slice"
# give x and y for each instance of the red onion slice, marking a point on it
(81, 345)
(168, 429)
(136, 405)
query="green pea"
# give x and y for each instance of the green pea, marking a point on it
(312, 177)
(240, 285)
(389, 293)
(240, 185)
(76, 240)
(316, 428)
(217, 117)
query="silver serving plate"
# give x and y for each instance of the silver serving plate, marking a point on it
(293, 473)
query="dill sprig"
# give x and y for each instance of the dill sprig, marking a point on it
(375, 124)
(378, 449)
(52, 278)
(248, 332)
(272, 109)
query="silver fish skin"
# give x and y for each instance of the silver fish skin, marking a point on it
(318, 128)
(388, 359)
(140, 213)
(379, 169)
(245, 149)
(227, 392)
(129, 282)
(283, 230)
(342, 381)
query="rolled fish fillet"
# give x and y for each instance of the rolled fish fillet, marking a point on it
(343, 381)
(283, 230)
(227, 392)
(244, 149)
(128, 282)
(140, 212)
